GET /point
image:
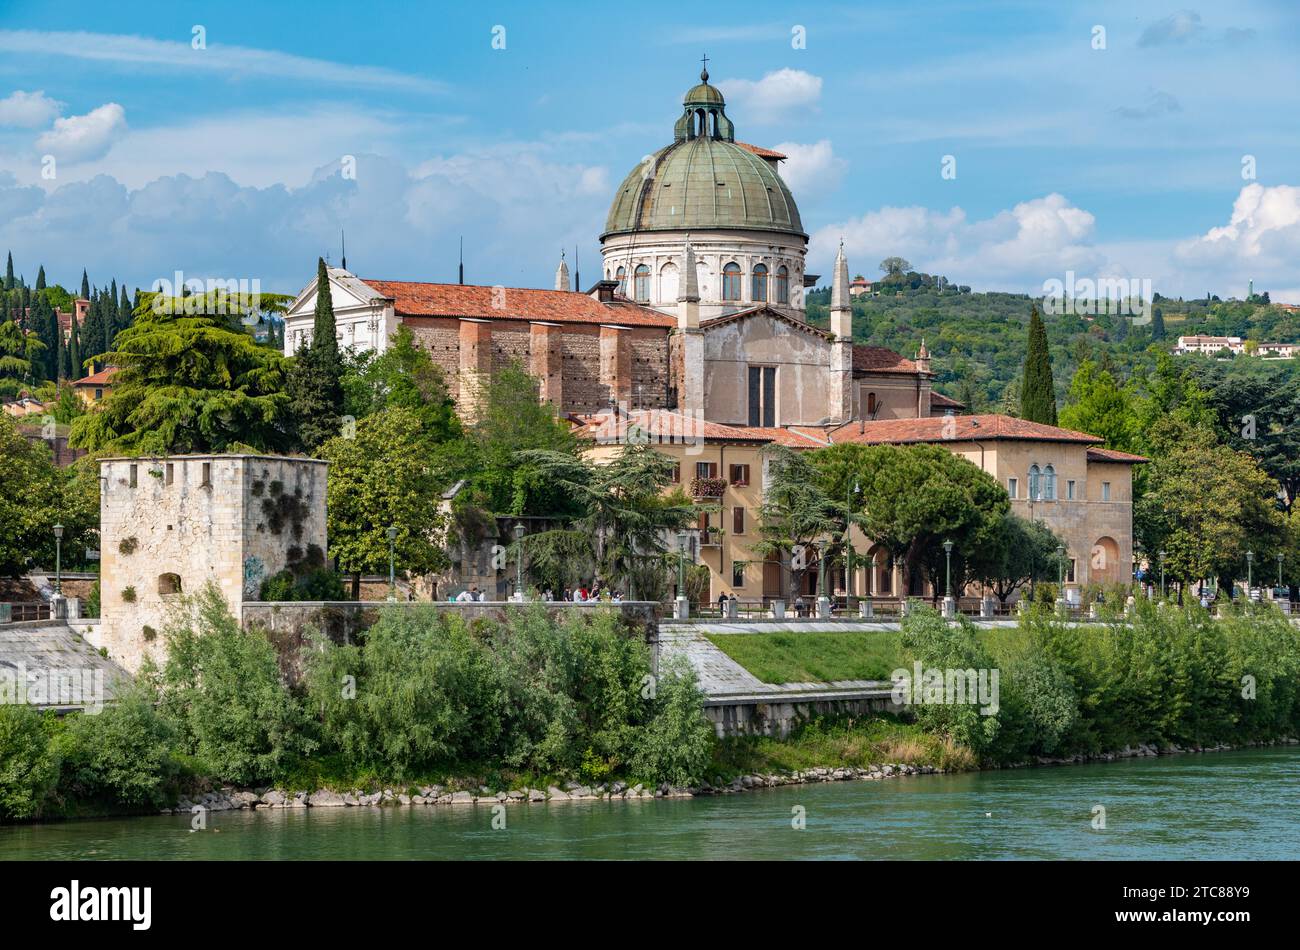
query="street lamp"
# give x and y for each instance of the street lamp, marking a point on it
(1162, 573)
(1250, 564)
(392, 561)
(1280, 556)
(848, 538)
(519, 558)
(58, 559)
(1060, 572)
(821, 567)
(947, 554)
(683, 539)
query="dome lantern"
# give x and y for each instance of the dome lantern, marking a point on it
(704, 113)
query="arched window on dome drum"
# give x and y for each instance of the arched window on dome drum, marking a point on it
(641, 283)
(781, 292)
(731, 281)
(760, 283)
(621, 276)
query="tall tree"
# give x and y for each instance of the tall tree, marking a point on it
(40, 279)
(72, 364)
(1158, 323)
(189, 381)
(1037, 392)
(315, 385)
(85, 285)
(1098, 406)
(9, 272)
(795, 513)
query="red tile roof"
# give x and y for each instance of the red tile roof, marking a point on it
(939, 399)
(760, 151)
(102, 378)
(792, 436)
(955, 429)
(415, 299)
(1098, 454)
(877, 359)
(658, 425)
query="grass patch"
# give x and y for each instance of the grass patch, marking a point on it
(838, 742)
(824, 656)
(814, 657)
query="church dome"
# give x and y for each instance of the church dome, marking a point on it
(705, 179)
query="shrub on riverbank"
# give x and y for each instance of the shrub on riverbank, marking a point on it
(29, 763)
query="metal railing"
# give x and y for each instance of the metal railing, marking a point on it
(19, 612)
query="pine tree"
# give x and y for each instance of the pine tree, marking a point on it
(1158, 323)
(1037, 393)
(9, 272)
(40, 279)
(85, 285)
(314, 384)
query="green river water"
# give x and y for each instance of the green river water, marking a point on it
(1227, 805)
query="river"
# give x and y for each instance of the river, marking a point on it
(1226, 805)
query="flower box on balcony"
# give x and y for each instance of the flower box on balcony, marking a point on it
(708, 487)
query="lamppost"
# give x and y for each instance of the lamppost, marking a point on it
(848, 538)
(1280, 556)
(1250, 565)
(1162, 573)
(683, 603)
(519, 559)
(1060, 574)
(59, 559)
(948, 603)
(823, 602)
(392, 562)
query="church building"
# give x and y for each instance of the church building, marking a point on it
(698, 323)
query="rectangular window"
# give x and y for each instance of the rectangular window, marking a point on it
(1013, 485)
(677, 472)
(737, 573)
(134, 473)
(706, 469)
(207, 475)
(762, 395)
(740, 474)
(170, 472)
(1069, 574)
(738, 520)
(1069, 489)
(1105, 491)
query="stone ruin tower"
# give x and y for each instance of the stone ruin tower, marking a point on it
(169, 525)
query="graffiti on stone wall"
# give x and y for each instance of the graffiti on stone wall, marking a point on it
(254, 573)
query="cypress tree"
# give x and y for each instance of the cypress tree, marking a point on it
(40, 279)
(314, 384)
(1037, 394)
(58, 352)
(124, 316)
(9, 272)
(90, 338)
(74, 351)
(1158, 323)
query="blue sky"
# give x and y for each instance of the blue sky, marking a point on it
(228, 161)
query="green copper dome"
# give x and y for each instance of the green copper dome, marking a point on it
(704, 180)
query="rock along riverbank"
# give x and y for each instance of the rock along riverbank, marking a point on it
(232, 799)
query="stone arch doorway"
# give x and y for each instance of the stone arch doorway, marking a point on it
(1103, 562)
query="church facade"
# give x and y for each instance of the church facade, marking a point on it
(698, 324)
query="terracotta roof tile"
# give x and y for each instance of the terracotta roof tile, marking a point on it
(792, 436)
(415, 299)
(955, 429)
(939, 399)
(761, 152)
(103, 377)
(658, 425)
(1098, 454)
(878, 359)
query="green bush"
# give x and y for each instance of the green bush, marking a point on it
(318, 584)
(124, 754)
(223, 690)
(676, 745)
(29, 761)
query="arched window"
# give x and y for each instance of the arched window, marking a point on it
(642, 282)
(760, 282)
(731, 281)
(1049, 484)
(872, 406)
(1035, 482)
(781, 292)
(668, 282)
(621, 276)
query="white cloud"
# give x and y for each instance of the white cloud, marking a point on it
(1012, 250)
(776, 96)
(28, 109)
(233, 62)
(1177, 28)
(811, 169)
(84, 137)
(1262, 238)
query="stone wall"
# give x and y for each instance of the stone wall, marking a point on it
(170, 525)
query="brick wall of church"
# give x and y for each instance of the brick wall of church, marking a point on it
(583, 389)
(510, 344)
(650, 376)
(439, 336)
